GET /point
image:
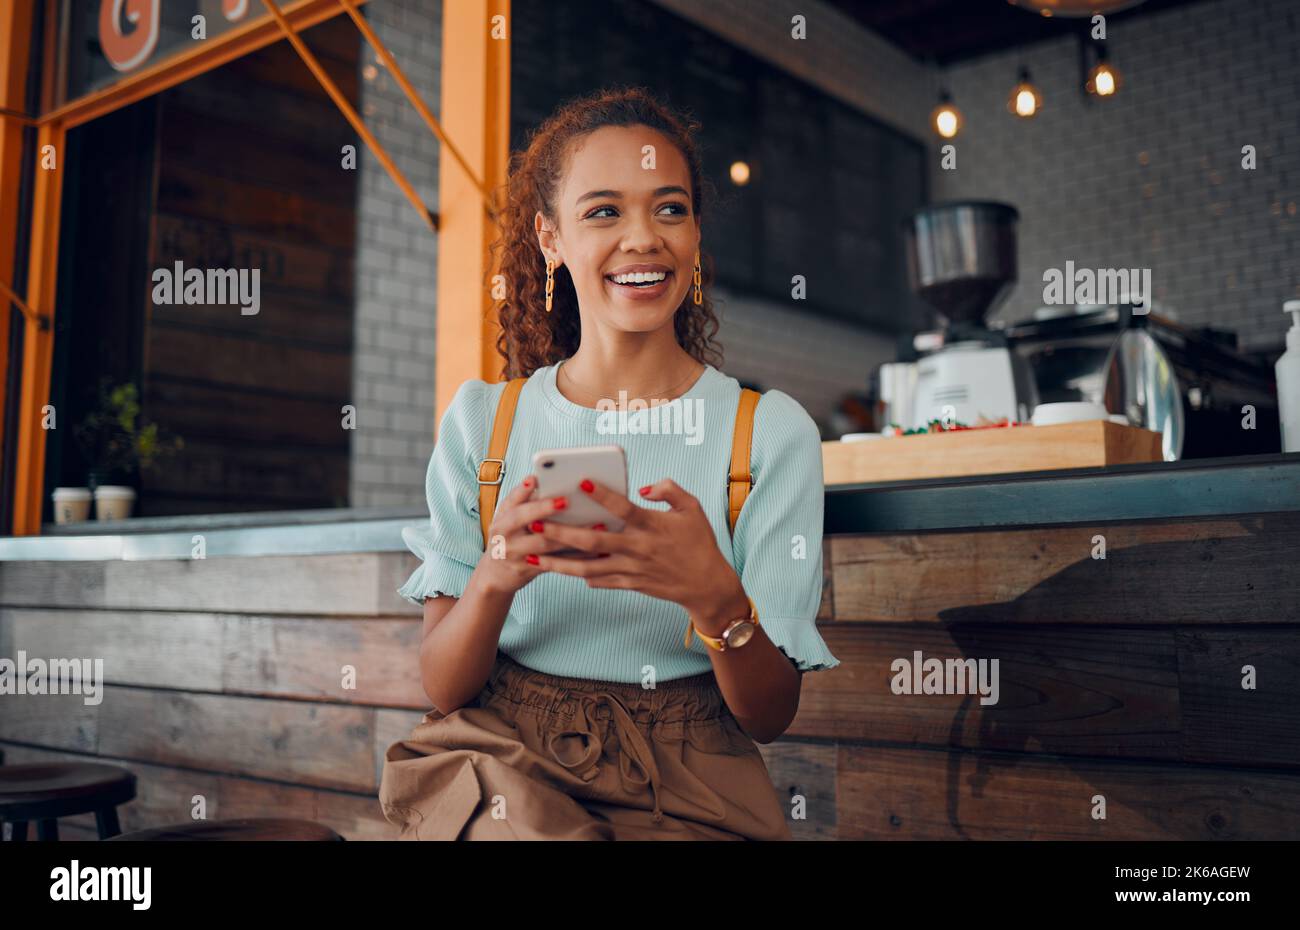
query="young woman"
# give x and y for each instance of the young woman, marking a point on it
(566, 704)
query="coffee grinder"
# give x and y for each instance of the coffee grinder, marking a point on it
(962, 261)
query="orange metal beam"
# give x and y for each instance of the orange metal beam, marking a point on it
(15, 40)
(346, 109)
(54, 79)
(53, 124)
(476, 112)
(256, 34)
(38, 341)
(475, 64)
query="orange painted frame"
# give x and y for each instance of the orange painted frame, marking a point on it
(16, 26)
(15, 39)
(473, 60)
(301, 14)
(38, 340)
(475, 112)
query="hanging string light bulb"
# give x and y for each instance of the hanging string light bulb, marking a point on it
(945, 118)
(1103, 78)
(1025, 100)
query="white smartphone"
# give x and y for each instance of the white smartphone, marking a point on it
(558, 472)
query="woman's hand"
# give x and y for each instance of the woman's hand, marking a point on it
(504, 566)
(670, 554)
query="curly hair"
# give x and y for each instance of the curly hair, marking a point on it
(531, 338)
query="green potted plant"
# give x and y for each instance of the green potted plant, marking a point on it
(118, 445)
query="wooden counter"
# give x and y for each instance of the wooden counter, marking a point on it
(1119, 678)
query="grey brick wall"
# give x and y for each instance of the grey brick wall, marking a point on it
(813, 359)
(1152, 178)
(396, 261)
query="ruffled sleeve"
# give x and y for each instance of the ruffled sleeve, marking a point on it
(450, 543)
(778, 537)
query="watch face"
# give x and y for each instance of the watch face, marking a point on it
(740, 634)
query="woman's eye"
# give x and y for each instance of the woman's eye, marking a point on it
(607, 212)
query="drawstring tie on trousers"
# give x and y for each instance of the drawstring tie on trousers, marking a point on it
(632, 745)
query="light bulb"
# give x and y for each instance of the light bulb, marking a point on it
(1103, 80)
(1025, 100)
(946, 120)
(739, 173)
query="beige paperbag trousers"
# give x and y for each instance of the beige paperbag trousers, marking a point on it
(540, 757)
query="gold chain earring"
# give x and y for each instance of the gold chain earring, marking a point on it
(699, 296)
(550, 282)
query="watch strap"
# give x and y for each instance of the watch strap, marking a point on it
(719, 643)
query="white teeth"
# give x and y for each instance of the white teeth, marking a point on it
(639, 277)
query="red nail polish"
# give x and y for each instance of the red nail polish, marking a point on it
(646, 490)
(531, 559)
(560, 503)
(598, 526)
(535, 526)
(586, 485)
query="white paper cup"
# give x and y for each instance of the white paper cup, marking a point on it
(1067, 412)
(113, 501)
(71, 505)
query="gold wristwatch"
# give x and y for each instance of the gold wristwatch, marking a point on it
(737, 633)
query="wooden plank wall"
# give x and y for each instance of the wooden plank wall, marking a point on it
(1119, 678)
(216, 691)
(250, 176)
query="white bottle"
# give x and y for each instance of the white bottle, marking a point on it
(1288, 381)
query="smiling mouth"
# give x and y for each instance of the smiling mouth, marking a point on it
(638, 279)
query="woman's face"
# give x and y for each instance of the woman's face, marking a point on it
(625, 209)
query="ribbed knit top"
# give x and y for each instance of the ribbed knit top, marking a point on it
(556, 623)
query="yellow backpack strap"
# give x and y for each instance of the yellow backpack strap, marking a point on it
(739, 482)
(738, 478)
(493, 468)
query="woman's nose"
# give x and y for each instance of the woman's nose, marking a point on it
(641, 235)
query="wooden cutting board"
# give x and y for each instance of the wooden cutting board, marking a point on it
(988, 451)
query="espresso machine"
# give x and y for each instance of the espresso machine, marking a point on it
(1191, 385)
(961, 260)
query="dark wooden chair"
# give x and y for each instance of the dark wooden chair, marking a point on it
(243, 830)
(46, 791)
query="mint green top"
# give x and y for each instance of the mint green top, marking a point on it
(558, 625)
